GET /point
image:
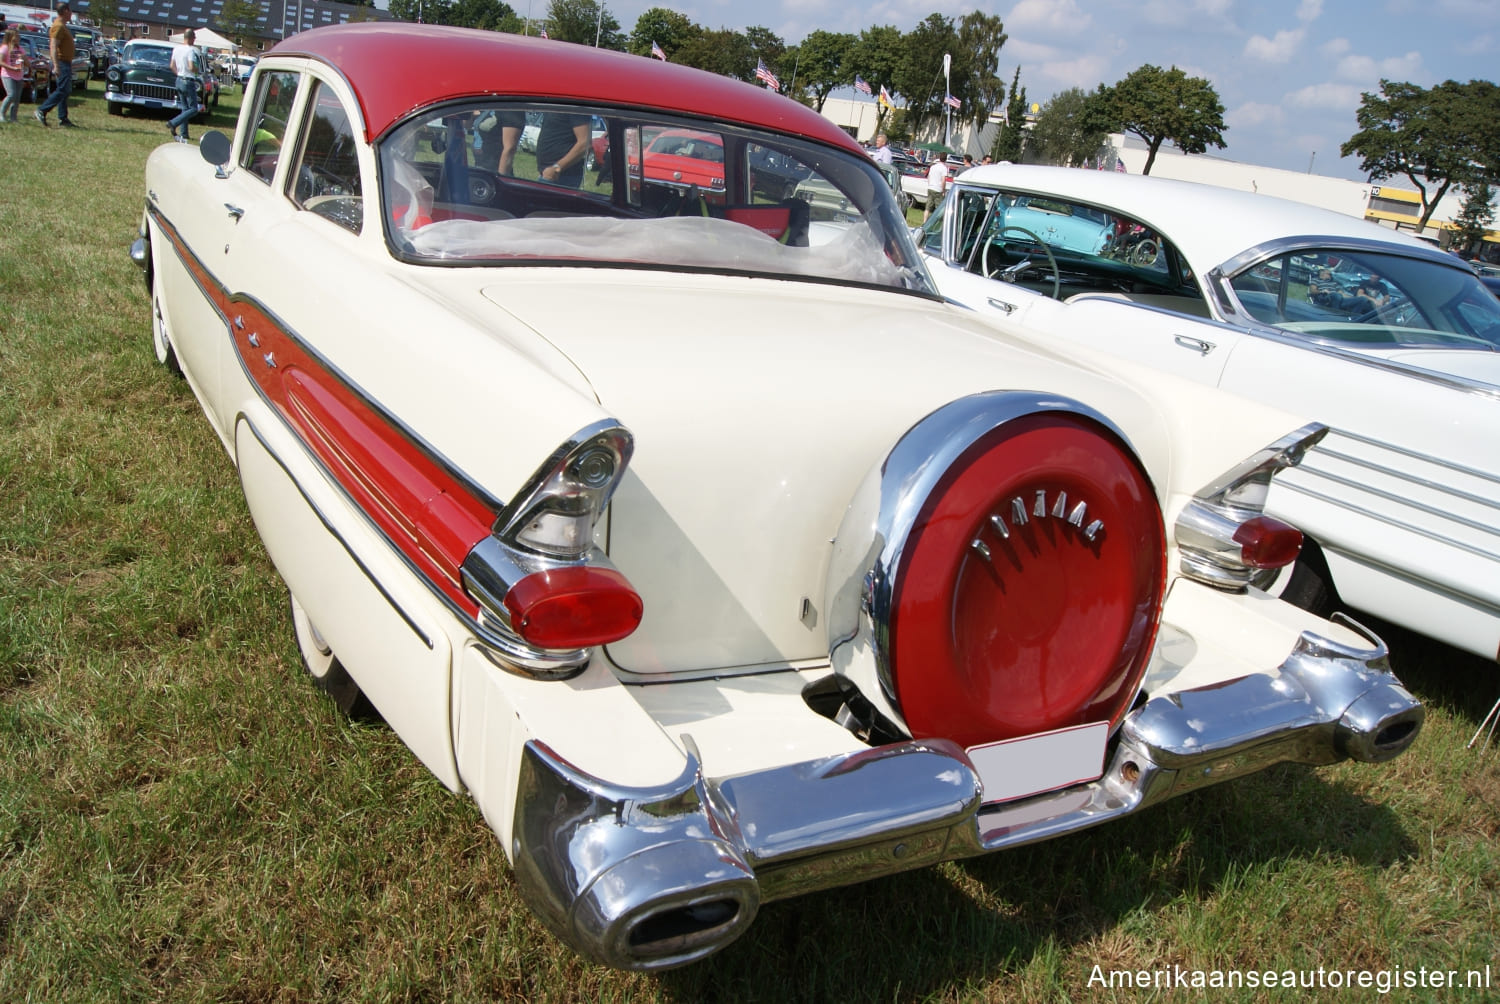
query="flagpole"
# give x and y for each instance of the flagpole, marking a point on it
(599, 28)
(947, 108)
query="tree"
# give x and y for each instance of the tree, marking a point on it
(766, 45)
(976, 65)
(666, 28)
(424, 11)
(1442, 137)
(919, 75)
(875, 56)
(1061, 134)
(237, 20)
(1474, 220)
(586, 22)
(492, 15)
(1011, 141)
(106, 14)
(821, 63)
(1161, 106)
(724, 52)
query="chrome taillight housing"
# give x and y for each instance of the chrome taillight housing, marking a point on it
(1223, 534)
(547, 593)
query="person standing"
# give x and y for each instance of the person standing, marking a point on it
(882, 152)
(185, 65)
(61, 49)
(12, 74)
(562, 143)
(937, 181)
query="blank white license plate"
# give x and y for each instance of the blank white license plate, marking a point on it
(1031, 765)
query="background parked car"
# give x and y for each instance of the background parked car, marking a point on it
(143, 79)
(1392, 343)
(38, 81)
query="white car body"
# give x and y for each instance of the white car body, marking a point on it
(1403, 497)
(432, 397)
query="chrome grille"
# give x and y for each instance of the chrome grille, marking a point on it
(156, 92)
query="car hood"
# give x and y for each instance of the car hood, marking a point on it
(1483, 367)
(757, 407)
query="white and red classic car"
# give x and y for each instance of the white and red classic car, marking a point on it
(698, 541)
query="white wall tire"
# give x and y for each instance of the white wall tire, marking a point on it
(161, 338)
(324, 667)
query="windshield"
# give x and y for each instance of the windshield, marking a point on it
(153, 55)
(1371, 299)
(495, 183)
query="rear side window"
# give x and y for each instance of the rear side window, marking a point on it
(273, 107)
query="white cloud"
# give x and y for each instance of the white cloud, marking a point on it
(1332, 97)
(1310, 10)
(1177, 13)
(1253, 114)
(1335, 47)
(1367, 70)
(1049, 16)
(1086, 71)
(1275, 50)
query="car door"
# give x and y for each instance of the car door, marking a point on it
(1064, 272)
(318, 451)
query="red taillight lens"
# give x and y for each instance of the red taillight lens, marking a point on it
(1268, 543)
(573, 607)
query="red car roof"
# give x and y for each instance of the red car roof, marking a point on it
(396, 68)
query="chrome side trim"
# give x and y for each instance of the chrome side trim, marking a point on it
(653, 878)
(1305, 242)
(867, 551)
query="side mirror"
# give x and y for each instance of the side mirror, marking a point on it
(214, 146)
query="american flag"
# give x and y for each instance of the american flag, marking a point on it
(1120, 166)
(763, 73)
(861, 86)
(656, 51)
(952, 102)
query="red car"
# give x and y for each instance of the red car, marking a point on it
(686, 157)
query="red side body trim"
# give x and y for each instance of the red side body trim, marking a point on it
(421, 506)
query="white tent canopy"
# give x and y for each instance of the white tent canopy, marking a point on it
(207, 38)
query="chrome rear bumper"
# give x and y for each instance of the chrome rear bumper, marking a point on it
(649, 879)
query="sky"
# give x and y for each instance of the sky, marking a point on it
(1288, 72)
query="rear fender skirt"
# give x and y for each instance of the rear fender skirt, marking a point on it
(415, 499)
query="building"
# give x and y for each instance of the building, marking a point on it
(162, 19)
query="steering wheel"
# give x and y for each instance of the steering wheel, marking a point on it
(999, 241)
(482, 187)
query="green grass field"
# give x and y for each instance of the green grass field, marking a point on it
(183, 817)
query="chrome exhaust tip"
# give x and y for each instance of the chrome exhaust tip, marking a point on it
(1380, 725)
(630, 921)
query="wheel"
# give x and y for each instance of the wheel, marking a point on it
(324, 667)
(161, 339)
(999, 241)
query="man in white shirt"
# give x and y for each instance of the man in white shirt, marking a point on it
(937, 181)
(185, 65)
(882, 152)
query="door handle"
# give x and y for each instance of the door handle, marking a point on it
(235, 212)
(1002, 305)
(1198, 345)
